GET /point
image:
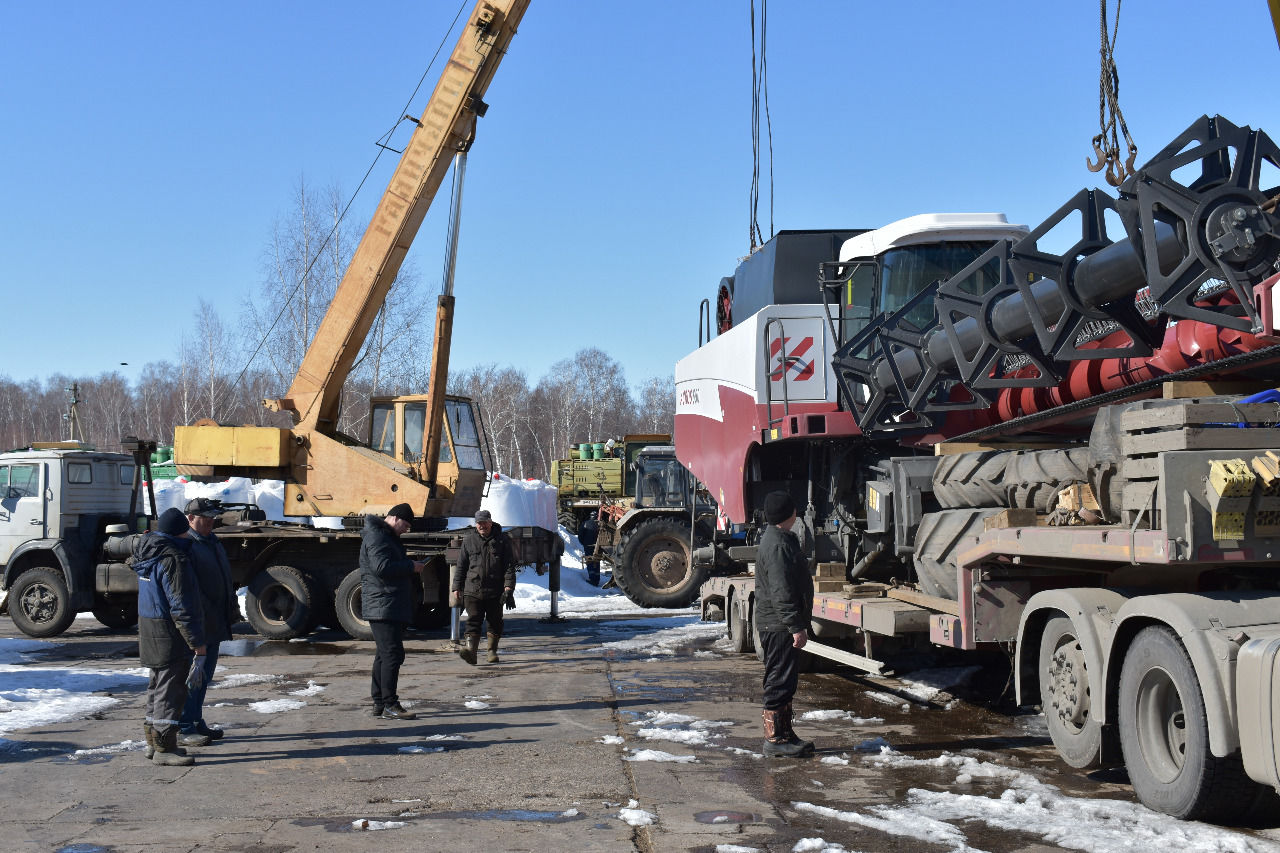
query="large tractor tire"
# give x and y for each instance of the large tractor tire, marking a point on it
(279, 603)
(117, 613)
(347, 604)
(40, 603)
(1164, 735)
(653, 566)
(971, 479)
(1033, 478)
(937, 546)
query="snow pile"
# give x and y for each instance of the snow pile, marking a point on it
(32, 696)
(636, 816)
(310, 690)
(522, 503)
(659, 755)
(666, 635)
(363, 824)
(841, 716)
(817, 845)
(275, 706)
(1027, 805)
(736, 848)
(678, 728)
(924, 685)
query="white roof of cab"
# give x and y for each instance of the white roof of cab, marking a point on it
(930, 228)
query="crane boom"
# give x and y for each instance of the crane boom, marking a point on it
(447, 125)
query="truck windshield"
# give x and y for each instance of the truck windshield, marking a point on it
(661, 483)
(466, 438)
(906, 271)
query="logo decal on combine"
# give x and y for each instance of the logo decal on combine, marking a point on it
(796, 364)
(689, 397)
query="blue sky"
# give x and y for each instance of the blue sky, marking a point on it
(147, 149)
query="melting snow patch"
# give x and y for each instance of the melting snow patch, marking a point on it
(475, 705)
(842, 716)
(418, 749)
(241, 679)
(876, 744)
(678, 728)
(374, 825)
(660, 637)
(835, 759)
(569, 813)
(635, 815)
(737, 750)
(275, 706)
(111, 749)
(735, 848)
(887, 699)
(310, 690)
(816, 845)
(611, 739)
(32, 696)
(924, 685)
(444, 737)
(659, 755)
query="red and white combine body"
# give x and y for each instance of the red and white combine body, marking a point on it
(1057, 440)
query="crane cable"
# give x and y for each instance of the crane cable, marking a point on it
(1106, 145)
(759, 92)
(382, 148)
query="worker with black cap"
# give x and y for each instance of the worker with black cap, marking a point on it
(220, 610)
(386, 596)
(170, 631)
(484, 580)
(783, 605)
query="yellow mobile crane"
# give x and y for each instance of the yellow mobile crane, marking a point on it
(424, 450)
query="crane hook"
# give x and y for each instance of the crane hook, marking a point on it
(1097, 152)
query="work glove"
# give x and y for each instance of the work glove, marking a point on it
(453, 598)
(510, 600)
(195, 675)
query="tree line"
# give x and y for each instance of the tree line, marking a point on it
(224, 371)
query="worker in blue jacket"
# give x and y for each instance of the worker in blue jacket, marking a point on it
(170, 631)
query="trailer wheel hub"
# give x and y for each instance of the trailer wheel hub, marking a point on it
(1069, 685)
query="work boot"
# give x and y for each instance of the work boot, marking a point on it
(375, 711)
(396, 711)
(493, 648)
(779, 740)
(468, 653)
(167, 752)
(211, 734)
(151, 738)
(194, 738)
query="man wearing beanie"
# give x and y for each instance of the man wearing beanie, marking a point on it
(783, 606)
(483, 580)
(386, 601)
(170, 631)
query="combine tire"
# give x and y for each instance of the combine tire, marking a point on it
(116, 614)
(1164, 735)
(279, 603)
(40, 603)
(653, 566)
(348, 607)
(937, 544)
(1033, 478)
(971, 479)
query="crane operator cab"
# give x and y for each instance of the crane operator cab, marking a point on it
(397, 428)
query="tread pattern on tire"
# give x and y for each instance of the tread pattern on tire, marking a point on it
(937, 543)
(627, 578)
(970, 479)
(1033, 478)
(299, 622)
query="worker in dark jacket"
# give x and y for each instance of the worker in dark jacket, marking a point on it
(386, 600)
(484, 580)
(219, 607)
(170, 631)
(783, 607)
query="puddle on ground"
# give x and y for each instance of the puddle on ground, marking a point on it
(84, 848)
(272, 648)
(508, 814)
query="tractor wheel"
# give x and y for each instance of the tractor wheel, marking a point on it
(279, 603)
(116, 613)
(347, 604)
(937, 544)
(654, 567)
(40, 603)
(1033, 478)
(569, 522)
(971, 479)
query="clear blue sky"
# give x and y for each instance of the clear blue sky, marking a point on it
(146, 149)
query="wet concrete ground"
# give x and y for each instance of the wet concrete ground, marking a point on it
(529, 754)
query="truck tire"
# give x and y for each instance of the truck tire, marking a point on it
(971, 479)
(279, 603)
(1066, 689)
(40, 603)
(116, 613)
(653, 567)
(569, 522)
(937, 545)
(322, 614)
(1164, 735)
(1033, 478)
(756, 645)
(739, 627)
(347, 606)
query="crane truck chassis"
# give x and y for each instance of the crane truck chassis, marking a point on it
(999, 445)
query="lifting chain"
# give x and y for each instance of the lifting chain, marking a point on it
(1106, 145)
